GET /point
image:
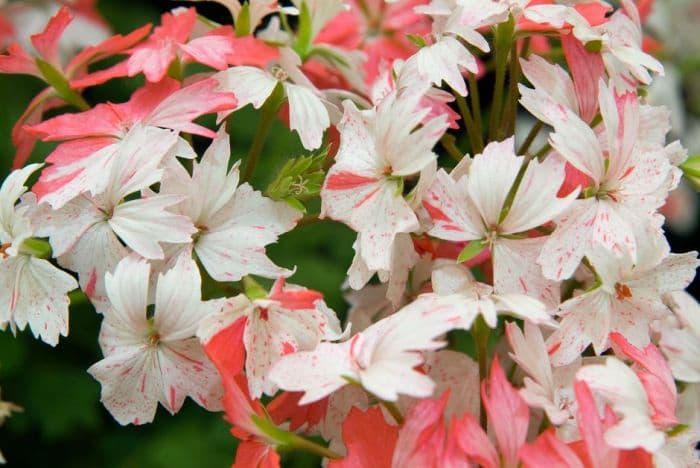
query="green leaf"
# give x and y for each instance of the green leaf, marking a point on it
(296, 204)
(691, 170)
(56, 79)
(253, 290)
(417, 40)
(304, 33)
(243, 21)
(472, 249)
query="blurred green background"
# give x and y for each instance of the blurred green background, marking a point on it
(63, 422)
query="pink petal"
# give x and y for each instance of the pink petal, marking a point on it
(46, 42)
(508, 413)
(370, 440)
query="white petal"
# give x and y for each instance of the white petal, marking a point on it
(143, 223)
(35, 293)
(307, 115)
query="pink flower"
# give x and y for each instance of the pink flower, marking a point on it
(290, 320)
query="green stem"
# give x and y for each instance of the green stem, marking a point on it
(534, 131)
(475, 138)
(543, 151)
(508, 123)
(448, 142)
(476, 102)
(394, 411)
(481, 337)
(301, 443)
(266, 119)
(308, 219)
(504, 37)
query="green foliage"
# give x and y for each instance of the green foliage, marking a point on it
(472, 249)
(691, 170)
(299, 179)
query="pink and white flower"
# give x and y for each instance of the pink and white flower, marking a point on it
(260, 332)
(234, 223)
(155, 359)
(35, 291)
(364, 188)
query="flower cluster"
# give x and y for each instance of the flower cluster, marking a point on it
(511, 306)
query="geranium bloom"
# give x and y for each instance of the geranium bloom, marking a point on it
(546, 387)
(445, 57)
(627, 299)
(89, 233)
(378, 149)
(620, 42)
(35, 292)
(96, 136)
(621, 388)
(381, 358)
(154, 359)
(234, 222)
(47, 65)
(681, 343)
(308, 114)
(471, 299)
(171, 40)
(289, 320)
(474, 208)
(592, 450)
(628, 183)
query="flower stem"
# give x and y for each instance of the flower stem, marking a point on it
(534, 131)
(507, 126)
(302, 443)
(481, 337)
(393, 410)
(256, 147)
(475, 138)
(448, 142)
(504, 37)
(476, 102)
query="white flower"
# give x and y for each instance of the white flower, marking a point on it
(154, 359)
(34, 291)
(234, 222)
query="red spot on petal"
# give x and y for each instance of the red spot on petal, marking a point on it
(287, 348)
(553, 349)
(90, 286)
(347, 180)
(435, 213)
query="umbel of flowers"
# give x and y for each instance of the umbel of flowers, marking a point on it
(544, 244)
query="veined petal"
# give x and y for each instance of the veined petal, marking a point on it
(307, 115)
(143, 223)
(35, 294)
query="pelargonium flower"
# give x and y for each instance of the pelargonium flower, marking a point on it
(380, 358)
(628, 183)
(152, 359)
(234, 222)
(262, 331)
(308, 114)
(96, 136)
(474, 208)
(90, 234)
(627, 299)
(35, 291)
(378, 149)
